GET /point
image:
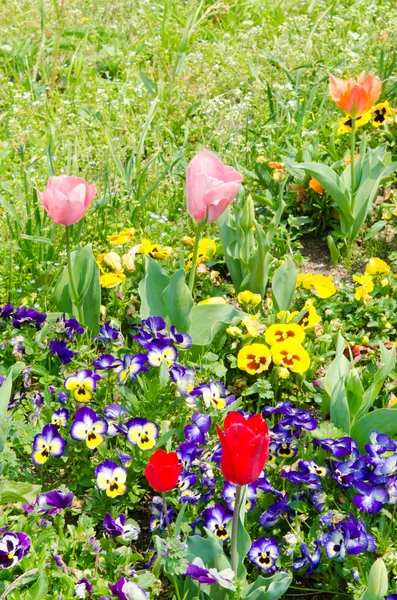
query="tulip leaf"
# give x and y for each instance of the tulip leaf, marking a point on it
(284, 284)
(178, 301)
(209, 550)
(5, 396)
(18, 491)
(208, 319)
(339, 407)
(269, 588)
(243, 538)
(151, 289)
(382, 419)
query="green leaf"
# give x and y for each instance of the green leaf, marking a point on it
(10, 209)
(40, 588)
(284, 284)
(370, 395)
(209, 550)
(151, 289)
(374, 230)
(178, 301)
(377, 582)
(243, 538)
(339, 367)
(209, 319)
(5, 396)
(354, 392)
(340, 414)
(268, 588)
(382, 419)
(36, 238)
(335, 254)
(17, 491)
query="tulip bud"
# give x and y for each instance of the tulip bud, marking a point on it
(377, 581)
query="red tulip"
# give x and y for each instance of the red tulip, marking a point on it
(355, 97)
(163, 470)
(245, 447)
(210, 187)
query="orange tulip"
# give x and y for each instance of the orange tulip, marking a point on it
(355, 97)
(316, 186)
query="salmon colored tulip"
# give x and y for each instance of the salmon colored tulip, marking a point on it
(355, 97)
(210, 187)
(245, 447)
(67, 198)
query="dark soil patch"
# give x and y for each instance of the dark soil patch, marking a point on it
(319, 260)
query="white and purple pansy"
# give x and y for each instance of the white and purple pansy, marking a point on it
(183, 377)
(161, 351)
(197, 571)
(183, 340)
(214, 394)
(129, 366)
(142, 433)
(13, 547)
(124, 589)
(82, 384)
(215, 519)
(60, 418)
(370, 499)
(229, 495)
(46, 444)
(270, 517)
(109, 335)
(113, 414)
(308, 561)
(104, 365)
(264, 553)
(124, 458)
(158, 517)
(89, 427)
(197, 431)
(127, 530)
(53, 501)
(82, 588)
(111, 478)
(334, 544)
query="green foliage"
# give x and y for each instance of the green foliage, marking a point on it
(284, 284)
(377, 582)
(172, 554)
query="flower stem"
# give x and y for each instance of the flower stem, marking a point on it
(194, 257)
(236, 511)
(73, 289)
(352, 165)
(166, 514)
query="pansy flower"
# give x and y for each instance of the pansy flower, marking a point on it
(183, 377)
(111, 478)
(60, 418)
(229, 495)
(109, 335)
(380, 112)
(197, 431)
(197, 570)
(158, 517)
(46, 444)
(124, 458)
(270, 517)
(161, 351)
(356, 537)
(264, 553)
(142, 433)
(214, 394)
(128, 531)
(254, 358)
(292, 355)
(129, 366)
(216, 519)
(70, 327)
(370, 499)
(334, 544)
(53, 501)
(89, 427)
(104, 364)
(183, 340)
(124, 589)
(59, 348)
(29, 316)
(275, 334)
(13, 547)
(308, 561)
(113, 414)
(82, 587)
(82, 384)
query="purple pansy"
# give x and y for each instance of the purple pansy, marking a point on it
(308, 561)
(129, 366)
(229, 495)
(109, 335)
(216, 519)
(53, 501)
(120, 527)
(270, 517)
(158, 518)
(196, 432)
(59, 348)
(124, 589)
(60, 418)
(89, 427)
(113, 414)
(196, 570)
(46, 444)
(264, 553)
(370, 499)
(82, 588)
(13, 547)
(25, 315)
(183, 340)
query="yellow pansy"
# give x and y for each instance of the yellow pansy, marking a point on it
(129, 261)
(154, 250)
(109, 280)
(363, 290)
(119, 239)
(376, 265)
(254, 358)
(206, 248)
(215, 300)
(380, 112)
(253, 326)
(308, 317)
(188, 241)
(292, 355)
(234, 331)
(323, 286)
(275, 334)
(345, 124)
(249, 298)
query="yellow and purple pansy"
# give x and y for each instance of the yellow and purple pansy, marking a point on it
(60, 418)
(111, 478)
(89, 427)
(129, 366)
(161, 351)
(46, 444)
(142, 433)
(82, 384)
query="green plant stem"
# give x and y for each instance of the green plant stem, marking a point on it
(176, 588)
(166, 514)
(236, 511)
(352, 165)
(73, 289)
(194, 257)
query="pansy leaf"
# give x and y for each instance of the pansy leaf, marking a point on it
(40, 588)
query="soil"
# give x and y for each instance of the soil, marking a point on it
(319, 260)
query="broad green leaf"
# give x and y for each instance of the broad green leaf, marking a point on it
(36, 238)
(40, 588)
(178, 301)
(209, 550)
(354, 392)
(151, 289)
(5, 396)
(370, 395)
(340, 415)
(335, 254)
(377, 582)
(268, 588)
(209, 319)
(17, 491)
(284, 284)
(374, 230)
(382, 419)
(339, 367)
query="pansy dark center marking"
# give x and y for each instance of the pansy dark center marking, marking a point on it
(255, 361)
(289, 358)
(114, 485)
(336, 547)
(220, 530)
(285, 450)
(81, 391)
(45, 452)
(91, 435)
(284, 335)
(380, 115)
(265, 559)
(305, 319)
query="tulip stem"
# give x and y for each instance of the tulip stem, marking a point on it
(73, 289)
(166, 514)
(352, 166)
(236, 512)
(194, 256)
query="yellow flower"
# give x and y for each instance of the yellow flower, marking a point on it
(154, 250)
(283, 372)
(119, 239)
(234, 331)
(380, 112)
(188, 241)
(129, 261)
(366, 286)
(392, 400)
(345, 124)
(113, 260)
(292, 355)
(348, 158)
(376, 265)
(323, 286)
(254, 358)
(275, 334)
(309, 317)
(216, 300)
(253, 326)
(249, 298)
(206, 248)
(109, 280)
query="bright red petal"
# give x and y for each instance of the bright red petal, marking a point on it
(232, 418)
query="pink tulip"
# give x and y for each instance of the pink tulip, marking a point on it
(67, 198)
(210, 187)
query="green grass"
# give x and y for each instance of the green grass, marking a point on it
(125, 92)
